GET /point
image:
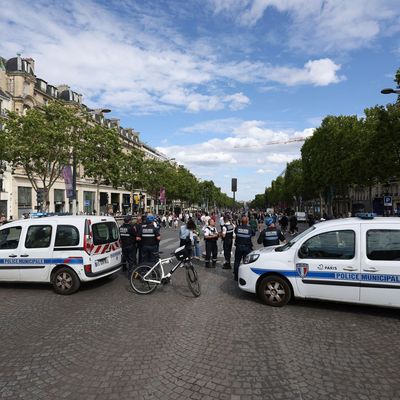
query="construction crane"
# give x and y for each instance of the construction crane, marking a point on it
(293, 140)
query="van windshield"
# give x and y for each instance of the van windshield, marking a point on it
(289, 244)
(105, 232)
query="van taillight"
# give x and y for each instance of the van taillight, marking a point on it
(88, 268)
(88, 239)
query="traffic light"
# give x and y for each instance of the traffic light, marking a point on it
(234, 184)
(40, 196)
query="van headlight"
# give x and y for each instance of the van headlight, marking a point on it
(250, 258)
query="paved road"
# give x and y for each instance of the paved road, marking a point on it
(106, 342)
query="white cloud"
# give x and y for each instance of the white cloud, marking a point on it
(322, 24)
(138, 62)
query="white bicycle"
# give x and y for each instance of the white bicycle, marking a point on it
(145, 278)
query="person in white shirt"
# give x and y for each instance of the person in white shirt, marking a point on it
(211, 236)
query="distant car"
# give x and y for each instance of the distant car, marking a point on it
(352, 260)
(301, 216)
(61, 250)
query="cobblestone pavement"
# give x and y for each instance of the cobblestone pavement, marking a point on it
(105, 342)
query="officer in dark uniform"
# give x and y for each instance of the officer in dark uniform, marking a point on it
(227, 230)
(270, 236)
(243, 244)
(138, 229)
(128, 243)
(149, 240)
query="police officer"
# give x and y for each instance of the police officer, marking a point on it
(227, 232)
(210, 237)
(128, 242)
(243, 244)
(138, 229)
(270, 236)
(149, 240)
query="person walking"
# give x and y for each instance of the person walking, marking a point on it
(149, 240)
(227, 233)
(283, 222)
(243, 244)
(210, 237)
(270, 236)
(128, 243)
(293, 224)
(186, 232)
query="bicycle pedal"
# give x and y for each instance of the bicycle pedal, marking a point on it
(164, 281)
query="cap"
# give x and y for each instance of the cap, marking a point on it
(150, 218)
(127, 218)
(269, 221)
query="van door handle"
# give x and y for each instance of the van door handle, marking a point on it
(24, 255)
(372, 269)
(12, 255)
(350, 269)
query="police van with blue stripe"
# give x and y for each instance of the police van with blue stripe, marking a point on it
(61, 250)
(353, 260)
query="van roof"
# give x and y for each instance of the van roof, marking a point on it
(355, 221)
(64, 219)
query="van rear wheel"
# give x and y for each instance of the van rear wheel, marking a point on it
(65, 281)
(274, 291)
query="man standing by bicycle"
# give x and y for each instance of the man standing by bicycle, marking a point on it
(128, 242)
(149, 240)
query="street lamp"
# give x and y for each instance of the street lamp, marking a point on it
(390, 91)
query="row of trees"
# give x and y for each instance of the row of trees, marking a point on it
(46, 139)
(344, 152)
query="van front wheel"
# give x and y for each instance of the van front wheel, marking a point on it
(274, 291)
(65, 281)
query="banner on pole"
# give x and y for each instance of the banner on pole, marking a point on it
(67, 174)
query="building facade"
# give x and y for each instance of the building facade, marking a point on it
(21, 90)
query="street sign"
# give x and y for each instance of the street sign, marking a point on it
(87, 203)
(387, 201)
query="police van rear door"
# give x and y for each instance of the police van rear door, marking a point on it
(380, 265)
(106, 252)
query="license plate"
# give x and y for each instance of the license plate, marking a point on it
(102, 261)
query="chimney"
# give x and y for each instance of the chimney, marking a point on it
(31, 63)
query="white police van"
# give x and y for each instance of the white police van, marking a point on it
(62, 250)
(353, 260)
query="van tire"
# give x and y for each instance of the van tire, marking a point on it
(274, 291)
(65, 281)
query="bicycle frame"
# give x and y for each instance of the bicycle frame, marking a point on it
(164, 276)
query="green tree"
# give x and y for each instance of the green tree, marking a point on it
(100, 155)
(40, 143)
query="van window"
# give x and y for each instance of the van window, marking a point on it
(9, 237)
(383, 244)
(38, 236)
(105, 232)
(67, 235)
(330, 245)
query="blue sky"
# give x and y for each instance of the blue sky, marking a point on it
(212, 83)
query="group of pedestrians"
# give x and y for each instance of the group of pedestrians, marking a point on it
(141, 240)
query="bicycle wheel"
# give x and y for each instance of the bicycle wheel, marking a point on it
(141, 285)
(193, 280)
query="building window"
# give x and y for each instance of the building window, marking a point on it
(24, 197)
(88, 202)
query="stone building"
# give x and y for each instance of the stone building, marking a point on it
(20, 90)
